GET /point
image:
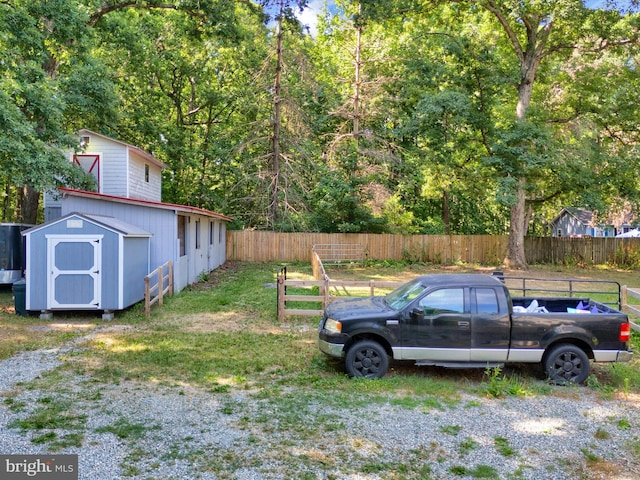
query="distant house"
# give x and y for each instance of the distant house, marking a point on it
(579, 222)
(130, 185)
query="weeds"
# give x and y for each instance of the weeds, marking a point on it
(497, 385)
(50, 417)
(123, 429)
(503, 447)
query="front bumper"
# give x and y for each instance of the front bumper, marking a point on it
(332, 349)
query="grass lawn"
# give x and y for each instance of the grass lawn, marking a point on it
(223, 334)
(221, 338)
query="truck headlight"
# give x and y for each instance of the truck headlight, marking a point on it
(333, 326)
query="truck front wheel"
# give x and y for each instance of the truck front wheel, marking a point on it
(366, 359)
(565, 364)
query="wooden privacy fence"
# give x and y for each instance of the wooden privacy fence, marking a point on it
(264, 246)
(155, 292)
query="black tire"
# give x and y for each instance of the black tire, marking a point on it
(566, 364)
(366, 359)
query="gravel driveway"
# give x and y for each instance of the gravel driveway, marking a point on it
(138, 431)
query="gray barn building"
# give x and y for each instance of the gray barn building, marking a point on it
(129, 182)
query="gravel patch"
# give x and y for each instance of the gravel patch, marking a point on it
(146, 431)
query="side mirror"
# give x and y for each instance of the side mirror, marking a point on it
(417, 313)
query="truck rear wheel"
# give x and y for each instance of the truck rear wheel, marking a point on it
(565, 364)
(366, 359)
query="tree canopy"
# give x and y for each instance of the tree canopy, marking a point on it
(401, 116)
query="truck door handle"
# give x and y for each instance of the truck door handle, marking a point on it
(463, 324)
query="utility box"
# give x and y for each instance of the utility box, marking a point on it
(85, 262)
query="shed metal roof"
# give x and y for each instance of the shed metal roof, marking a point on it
(147, 203)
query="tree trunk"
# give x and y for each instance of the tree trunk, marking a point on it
(358, 81)
(446, 218)
(529, 62)
(275, 140)
(516, 257)
(27, 205)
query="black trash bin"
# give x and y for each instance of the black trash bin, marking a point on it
(20, 297)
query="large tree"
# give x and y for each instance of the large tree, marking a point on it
(538, 32)
(47, 79)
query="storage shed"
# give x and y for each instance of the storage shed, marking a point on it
(85, 262)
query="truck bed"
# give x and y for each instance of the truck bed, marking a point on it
(571, 305)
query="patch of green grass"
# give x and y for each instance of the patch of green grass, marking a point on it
(480, 471)
(243, 287)
(205, 359)
(124, 429)
(52, 417)
(467, 445)
(632, 447)
(52, 413)
(503, 447)
(624, 424)
(25, 334)
(624, 377)
(14, 405)
(451, 429)
(590, 456)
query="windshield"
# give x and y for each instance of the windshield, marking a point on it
(402, 296)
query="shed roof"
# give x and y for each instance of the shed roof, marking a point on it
(146, 155)
(147, 203)
(107, 222)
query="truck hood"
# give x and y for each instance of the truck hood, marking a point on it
(348, 308)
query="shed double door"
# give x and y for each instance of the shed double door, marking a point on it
(74, 266)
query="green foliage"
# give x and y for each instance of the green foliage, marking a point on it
(420, 135)
(124, 429)
(503, 447)
(496, 385)
(50, 416)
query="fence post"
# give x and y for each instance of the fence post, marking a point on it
(327, 292)
(623, 298)
(160, 285)
(281, 294)
(147, 297)
(170, 278)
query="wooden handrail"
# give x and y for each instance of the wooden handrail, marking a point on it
(155, 293)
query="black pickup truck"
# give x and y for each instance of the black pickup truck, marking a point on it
(471, 320)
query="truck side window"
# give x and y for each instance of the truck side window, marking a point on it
(486, 300)
(446, 300)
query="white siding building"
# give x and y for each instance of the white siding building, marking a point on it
(130, 186)
(120, 169)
